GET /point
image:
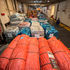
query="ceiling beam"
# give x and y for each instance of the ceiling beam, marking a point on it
(40, 1)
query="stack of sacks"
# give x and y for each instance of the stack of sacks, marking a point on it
(11, 32)
(50, 32)
(45, 25)
(25, 30)
(19, 55)
(43, 21)
(21, 16)
(18, 15)
(15, 23)
(34, 19)
(61, 54)
(5, 56)
(35, 23)
(47, 59)
(41, 17)
(32, 62)
(15, 19)
(24, 24)
(37, 31)
(27, 20)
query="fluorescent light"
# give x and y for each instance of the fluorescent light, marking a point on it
(48, 1)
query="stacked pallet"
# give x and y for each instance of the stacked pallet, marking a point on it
(36, 30)
(24, 24)
(61, 53)
(19, 55)
(32, 62)
(47, 59)
(5, 56)
(30, 53)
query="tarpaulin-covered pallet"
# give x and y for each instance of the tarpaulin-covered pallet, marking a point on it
(27, 20)
(37, 31)
(65, 48)
(34, 19)
(23, 54)
(47, 59)
(60, 52)
(41, 17)
(17, 17)
(50, 31)
(35, 23)
(11, 32)
(5, 56)
(24, 24)
(32, 62)
(25, 30)
(18, 57)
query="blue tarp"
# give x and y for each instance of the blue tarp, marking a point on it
(27, 20)
(51, 31)
(44, 25)
(25, 30)
(42, 17)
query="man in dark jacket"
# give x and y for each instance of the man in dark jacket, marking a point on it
(58, 22)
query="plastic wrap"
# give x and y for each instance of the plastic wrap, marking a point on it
(47, 59)
(60, 54)
(19, 55)
(5, 56)
(32, 62)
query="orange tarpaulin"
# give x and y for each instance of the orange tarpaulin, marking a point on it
(65, 48)
(32, 62)
(18, 58)
(60, 54)
(47, 59)
(4, 58)
(14, 42)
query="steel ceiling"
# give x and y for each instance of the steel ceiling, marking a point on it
(40, 1)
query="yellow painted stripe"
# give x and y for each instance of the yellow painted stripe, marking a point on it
(62, 25)
(67, 28)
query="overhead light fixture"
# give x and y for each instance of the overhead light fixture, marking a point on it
(48, 1)
(37, 1)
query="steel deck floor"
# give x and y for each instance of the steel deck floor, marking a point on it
(64, 35)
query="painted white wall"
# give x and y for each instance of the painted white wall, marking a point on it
(25, 8)
(10, 6)
(4, 9)
(63, 15)
(20, 6)
(44, 10)
(50, 10)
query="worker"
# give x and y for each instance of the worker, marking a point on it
(58, 22)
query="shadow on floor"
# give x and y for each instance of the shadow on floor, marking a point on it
(64, 35)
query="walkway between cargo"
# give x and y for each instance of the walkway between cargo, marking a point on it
(64, 34)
